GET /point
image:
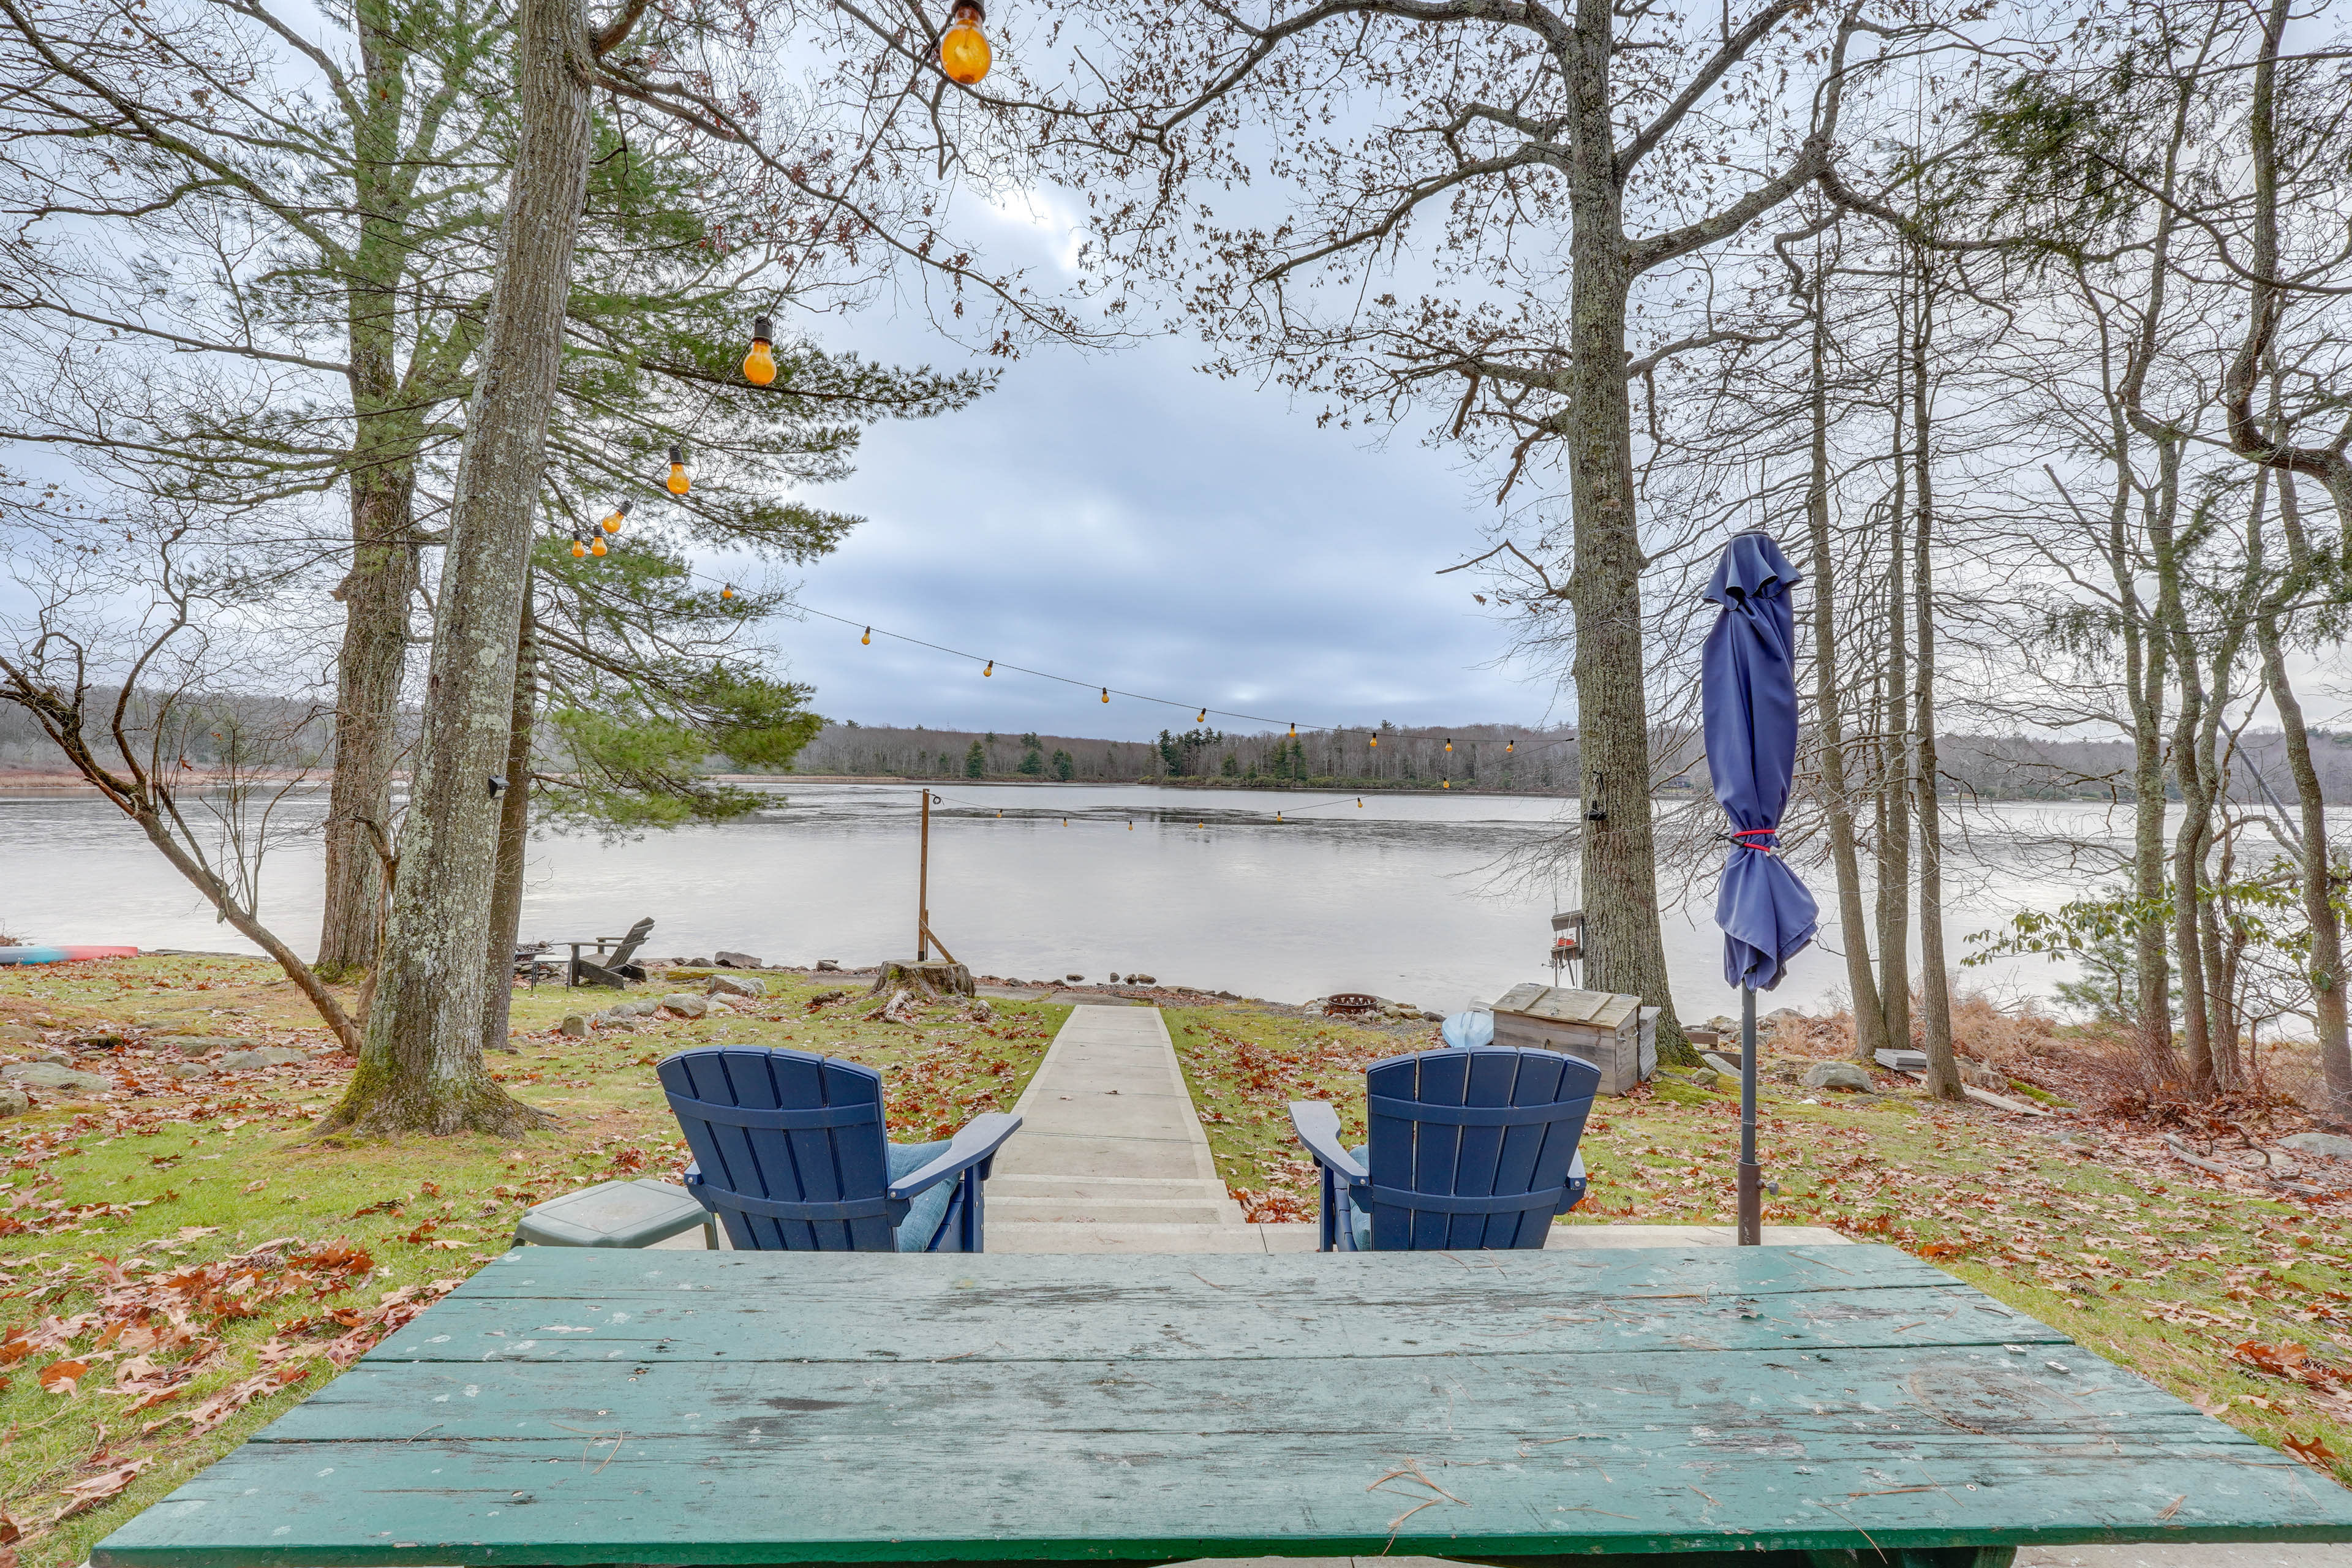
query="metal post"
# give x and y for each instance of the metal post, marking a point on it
(1751, 1176)
(923, 887)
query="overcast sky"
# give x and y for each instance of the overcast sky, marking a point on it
(1127, 521)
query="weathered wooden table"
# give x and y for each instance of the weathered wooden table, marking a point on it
(581, 1406)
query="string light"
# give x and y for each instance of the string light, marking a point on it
(759, 364)
(991, 669)
(1449, 744)
(1509, 746)
(1294, 729)
(1445, 783)
(619, 515)
(868, 639)
(579, 549)
(1202, 718)
(1376, 743)
(598, 548)
(678, 479)
(1105, 693)
(963, 49)
(728, 592)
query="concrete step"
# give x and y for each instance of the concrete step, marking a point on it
(1098, 1211)
(1109, 1189)
(1050, 1237)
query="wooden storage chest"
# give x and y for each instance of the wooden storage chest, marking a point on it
(1612, 1031)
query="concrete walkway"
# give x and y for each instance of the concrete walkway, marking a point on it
(1110, 1158)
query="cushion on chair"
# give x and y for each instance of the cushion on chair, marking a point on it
(930, 1205)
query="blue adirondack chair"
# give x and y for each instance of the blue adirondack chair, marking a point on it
(791, 1152)
(1470, 1148)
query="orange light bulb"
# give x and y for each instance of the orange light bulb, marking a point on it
(728, 592)
(759, 364)
(963, 49)
(620, 514)
(1509, 746)
(598, 549)
(678, 479)
(1203, 717)
(1105, 693)
(1449, 743)
(578, 550)
(1293, 731)
(867, 640)
(991, 669)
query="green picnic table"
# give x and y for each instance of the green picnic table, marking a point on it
(574, 1406)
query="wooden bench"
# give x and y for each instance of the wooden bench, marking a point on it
(1737, 1408)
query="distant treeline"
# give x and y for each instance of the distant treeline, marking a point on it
(1494, 757)
(1485, 756)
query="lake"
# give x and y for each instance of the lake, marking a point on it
(1397, 896)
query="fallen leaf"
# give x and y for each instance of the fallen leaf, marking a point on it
(257, 1186)
(60, 1376)
(83, 1496)
(2312, 1451)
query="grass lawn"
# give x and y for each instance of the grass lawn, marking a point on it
(2235, 1300)
(178, 1266)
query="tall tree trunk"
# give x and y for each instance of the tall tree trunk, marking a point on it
(2144, 666)
(1620, 861)
(382, 474)
(1869, 1022)
(1895, 839)
(2326, 963)
(514, 838)
(421, 1068)
(1935, 981)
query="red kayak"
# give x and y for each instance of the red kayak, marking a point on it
(62, 954)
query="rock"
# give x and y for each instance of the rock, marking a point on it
(98, 1042)
(739, 960)
(684, 1006)
(52, 1054)
(576, 1025)
(1727, 1068)
(824, 998)
(1075, 979)
(1724, 1026)
(734, 985)
(1141, 980)
(14, 1102)
(2326, 1145)
(205, 1045)
(695, 963)
(1837, 1075)
(188, 1069)
(825, 965)
(50, 1075)
(621, 1025)
(1976, 1075)
(267, 1056)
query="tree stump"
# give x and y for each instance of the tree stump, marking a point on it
(932, 979)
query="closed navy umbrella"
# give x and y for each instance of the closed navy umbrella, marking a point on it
(1748, 685)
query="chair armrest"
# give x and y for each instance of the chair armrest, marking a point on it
(975, 1140)
(1576, 1185)
(1318, 1126)
(694, 1184)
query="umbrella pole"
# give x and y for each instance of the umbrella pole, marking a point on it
(1751, 1176)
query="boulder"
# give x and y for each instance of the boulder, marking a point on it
(620, 1026)
(739, 960)
(1075, 979)
(14, 1102)
(1976, 1075)
(50, 1075)
(827, 965)
(1727, 1067)
(1838, 1075)
(1703, 1078)
(2326, 1145)
(681, 1004)
(1141, 980)
(104, 1040)
(575, 1025)
(205, 1045)
(695, 963)
(267, 1056)
(188, 1069)
(734, 985)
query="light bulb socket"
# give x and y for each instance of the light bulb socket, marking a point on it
(962, 9)
(762, 330)
(678, 456)
(623, 510)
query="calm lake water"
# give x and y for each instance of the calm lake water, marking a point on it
(1397, 896)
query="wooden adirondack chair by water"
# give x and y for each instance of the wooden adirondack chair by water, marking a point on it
(791, 1152)
(1471, 1148)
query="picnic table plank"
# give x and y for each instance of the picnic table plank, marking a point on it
(1095, 1408)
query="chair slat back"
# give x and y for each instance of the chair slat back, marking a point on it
(1471, 1148)
(791, 1147)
